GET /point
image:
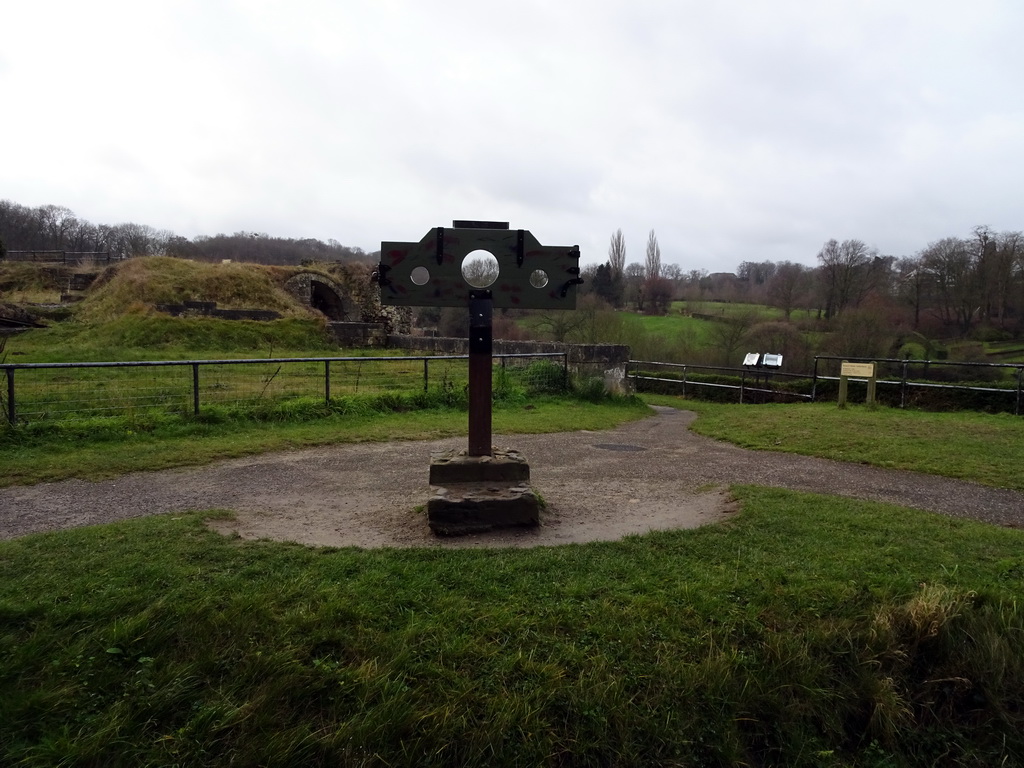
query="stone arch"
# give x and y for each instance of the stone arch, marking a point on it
(323, 294)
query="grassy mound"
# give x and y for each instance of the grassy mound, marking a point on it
(157, 336)
(138, 285)
(23, 283)
(118, 319)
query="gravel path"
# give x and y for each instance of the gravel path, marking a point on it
(648, 474)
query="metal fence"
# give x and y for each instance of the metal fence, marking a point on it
(751, 384)
(926, 384)
(933, 384)
(74, 391)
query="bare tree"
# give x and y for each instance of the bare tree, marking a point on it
(911, 284)
(996, 258)
(480, 269)
(652, 265)
(57, 222)
(758, 273)
(634, 285)
(849, 270)
(786, 285)
(657, 295)
(695, 284)
(673, 272)
(951, 265)
(617, 254)
(1010, 257)
(558, 325)
(729, 334)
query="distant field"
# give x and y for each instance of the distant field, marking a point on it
(674, 337)
(1005, 351)
(731, 309)
(673, 326)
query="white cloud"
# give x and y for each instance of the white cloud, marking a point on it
(738, 130)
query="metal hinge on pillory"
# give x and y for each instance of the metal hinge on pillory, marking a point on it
(481, 488)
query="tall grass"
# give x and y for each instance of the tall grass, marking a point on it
(23, 282)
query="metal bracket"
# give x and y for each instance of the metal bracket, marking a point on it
(564, 291)
(380, 274)
(440, 246)
(520, 247)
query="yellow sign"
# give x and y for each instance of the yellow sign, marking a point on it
(860, 370)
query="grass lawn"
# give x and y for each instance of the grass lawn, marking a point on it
(103, 448)
(986, 448)
(673, 327)
(807, 631)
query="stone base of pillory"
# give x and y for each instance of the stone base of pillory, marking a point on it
(480, 493)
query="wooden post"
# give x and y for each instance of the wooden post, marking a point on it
(480, 345)
(857, 370)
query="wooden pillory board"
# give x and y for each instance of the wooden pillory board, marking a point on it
(479, 489)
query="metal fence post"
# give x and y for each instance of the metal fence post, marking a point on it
(426, 376)
(327, 382)
(903, 385)
(814, 381)
(743, 381)
(195, 389)
(1016, 410)
(565, 370)
(12, 416)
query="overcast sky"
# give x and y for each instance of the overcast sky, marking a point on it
(736, 130)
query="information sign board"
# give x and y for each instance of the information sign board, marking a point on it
(859, 370)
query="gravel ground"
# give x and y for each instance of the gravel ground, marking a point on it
(646, 475)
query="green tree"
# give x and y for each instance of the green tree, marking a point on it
(603, 283)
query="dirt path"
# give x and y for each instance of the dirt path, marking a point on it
(649, 474)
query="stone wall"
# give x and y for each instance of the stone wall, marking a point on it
(349, 296)
(323, 294)
(605, 360)
(359, 334)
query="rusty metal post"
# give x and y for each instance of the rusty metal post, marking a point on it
(480, 344)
